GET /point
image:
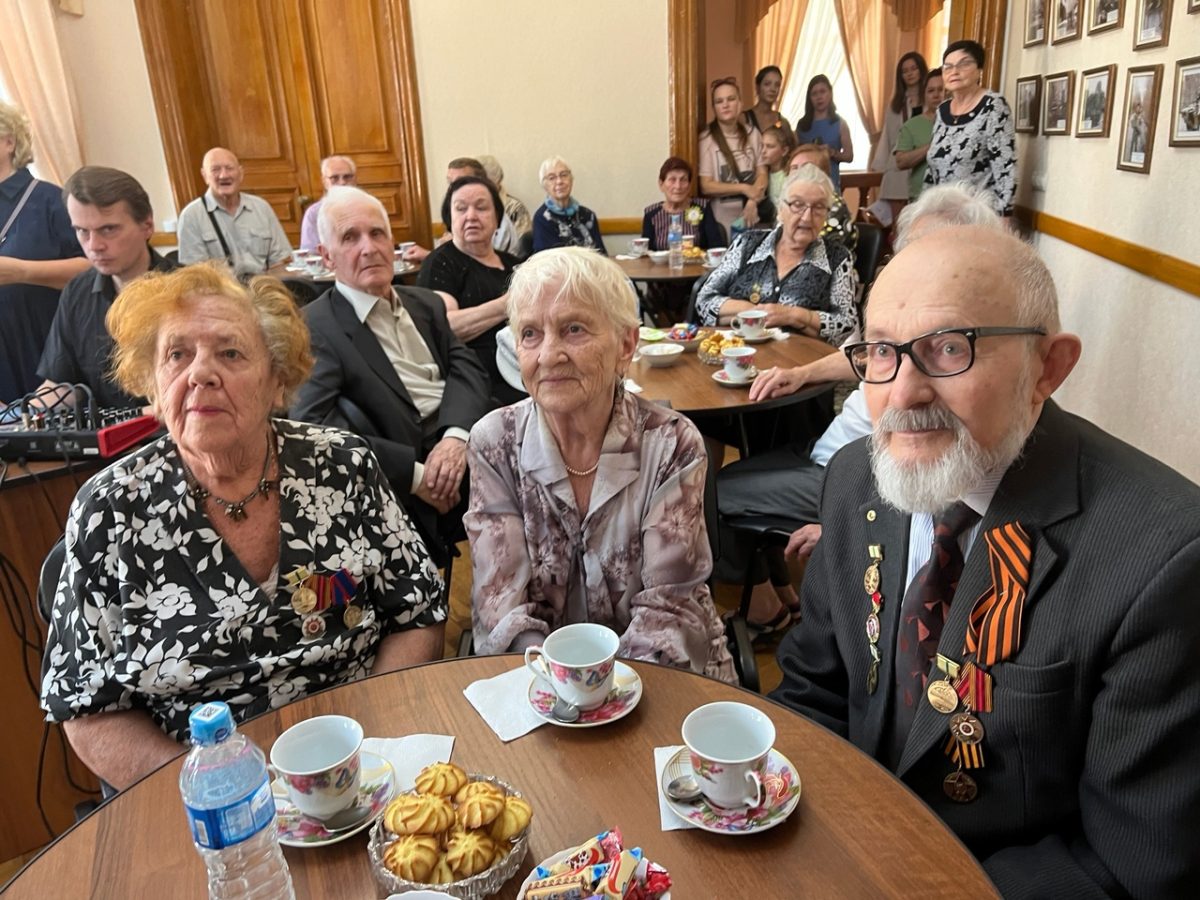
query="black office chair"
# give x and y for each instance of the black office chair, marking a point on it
(691, 318)
(51, 571)
(303, 292)
(172, 256)
(525, 246)
(867, 254)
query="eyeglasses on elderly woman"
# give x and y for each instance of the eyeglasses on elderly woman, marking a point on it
(939, 354)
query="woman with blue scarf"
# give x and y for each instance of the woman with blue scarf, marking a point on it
(560, 221)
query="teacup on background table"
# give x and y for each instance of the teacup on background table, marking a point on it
(739, 363)
(577, 662)
(750, 323)
(318, 760)
(714, 255)
(728, 745)
(314, 264)
(639, 246)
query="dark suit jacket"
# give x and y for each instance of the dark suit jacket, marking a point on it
(353, 386)
(1092, 780)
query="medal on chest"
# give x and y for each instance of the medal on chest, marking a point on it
(872, 584)
(314, 595)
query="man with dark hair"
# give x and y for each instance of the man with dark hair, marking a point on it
(112, 218)
(505, 238)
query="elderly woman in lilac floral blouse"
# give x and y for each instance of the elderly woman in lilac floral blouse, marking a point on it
(587, 503)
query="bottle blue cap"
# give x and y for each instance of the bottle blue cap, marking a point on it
(211, 723)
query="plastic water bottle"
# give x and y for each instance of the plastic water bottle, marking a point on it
(675, 242)
(227, 793)
(737, 227)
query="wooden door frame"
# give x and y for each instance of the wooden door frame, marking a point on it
(186, 136)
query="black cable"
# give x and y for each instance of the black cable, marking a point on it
(62, 526)
(16, 616)
(41, 769)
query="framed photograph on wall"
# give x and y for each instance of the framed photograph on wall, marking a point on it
(1142, 86)
(1152, 24)
(1105, 15)
(1057, 97)
(1185, 107)
(1068, 20)
(1029, 95)
(1096, 101)
(1035, 22)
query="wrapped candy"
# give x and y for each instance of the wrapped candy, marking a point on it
(603, 869)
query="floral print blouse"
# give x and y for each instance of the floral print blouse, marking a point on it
(637, 560)
(154, 612)
(824, 280)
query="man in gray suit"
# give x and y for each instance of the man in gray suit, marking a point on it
(1043, 697)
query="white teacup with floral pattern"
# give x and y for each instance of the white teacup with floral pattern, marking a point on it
(728, 744)
(318, 761)
(577, 662)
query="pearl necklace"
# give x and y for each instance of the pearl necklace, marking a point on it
(581, 474)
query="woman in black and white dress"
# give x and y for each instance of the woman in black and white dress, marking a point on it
(973, 139)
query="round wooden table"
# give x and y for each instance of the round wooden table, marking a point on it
(645, 269)
(690, 388)
(857, 832)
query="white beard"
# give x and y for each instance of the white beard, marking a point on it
(933, 487)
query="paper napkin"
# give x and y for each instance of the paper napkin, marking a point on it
(670, 821)
(411, 753)
(503, 702)
(632, 386)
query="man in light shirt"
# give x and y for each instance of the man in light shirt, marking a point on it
(335, 171)
(226, 223)
(389, 368)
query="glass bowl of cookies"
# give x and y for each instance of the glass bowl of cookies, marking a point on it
(711, 346)
(464, 834)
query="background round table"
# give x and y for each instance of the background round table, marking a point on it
(645, 269)
(857, 832)
(690, 388)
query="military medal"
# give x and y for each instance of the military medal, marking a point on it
(304, 601)
(352, 617)
(960, 787)
(941, 696)
(313, 625)
(871, 581)
(966, 728)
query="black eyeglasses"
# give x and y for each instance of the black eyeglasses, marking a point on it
(939, 354)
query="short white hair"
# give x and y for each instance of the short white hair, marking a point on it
(577, 275)
(492, 168)
(957, 203)
(548, 164)
(340, 198)
(339, 158)
(810, 174)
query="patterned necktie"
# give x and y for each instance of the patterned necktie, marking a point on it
(923, 612)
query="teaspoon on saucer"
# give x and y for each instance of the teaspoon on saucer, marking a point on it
(564, 711)
(683, 789)
(346, 818)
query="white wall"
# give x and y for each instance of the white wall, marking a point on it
(524, 80)
(1140, 368)
(107, 65)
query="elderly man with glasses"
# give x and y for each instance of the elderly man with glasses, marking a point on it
(1002, 608)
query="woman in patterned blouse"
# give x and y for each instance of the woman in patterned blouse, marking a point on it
(803, 281)
(973, 139)
(587, 504)
(240, 558)
(561, 221)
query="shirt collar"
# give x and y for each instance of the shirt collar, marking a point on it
(362, 302)
(815, 254)
(210, 202)
(979, 498)
(14, 185)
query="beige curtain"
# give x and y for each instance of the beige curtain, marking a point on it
(911, 15)
(871, 40)
(777, 38)
(819, 51)
(31, 67)
(749, 14)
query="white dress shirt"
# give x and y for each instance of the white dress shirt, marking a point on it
(408, 353)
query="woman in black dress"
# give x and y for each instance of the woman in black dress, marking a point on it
(472, 276)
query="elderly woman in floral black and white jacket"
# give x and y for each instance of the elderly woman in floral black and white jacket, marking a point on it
(240, 558)
(804, 282)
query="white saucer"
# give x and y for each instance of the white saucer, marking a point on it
(627, 691)
(298, 830)
(724, 380)
(769, 335)
(780, 782)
